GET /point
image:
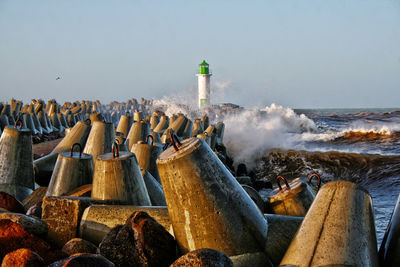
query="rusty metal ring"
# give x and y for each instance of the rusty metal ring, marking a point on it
(174, 141)
(20, 123)
(115, 150)
(279, 184)
(312, 176)
(147, 139)
(72, 150)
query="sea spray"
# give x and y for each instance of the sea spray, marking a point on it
(250, 133)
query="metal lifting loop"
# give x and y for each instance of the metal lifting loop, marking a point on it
(174, 139)
(20, 123)
(72, 150)
(147, 139)
(312, 176)
(88, 121)
(205, 133)
(279, 184)
(115, 150)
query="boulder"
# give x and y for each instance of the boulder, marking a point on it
(31, 224)
(79, 245)
(203, 257)
(23, 257)
(142, 241)
(10, 203)
(13, 237)
(83, 260)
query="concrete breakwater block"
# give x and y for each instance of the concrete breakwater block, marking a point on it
(207, 206)
(338, 230)
(63, 215)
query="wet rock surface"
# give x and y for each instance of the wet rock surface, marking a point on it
(204, 257)
(23, 257)
(140, 242)
(10, 203)
(79, 245)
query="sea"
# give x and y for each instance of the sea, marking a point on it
(358, 145)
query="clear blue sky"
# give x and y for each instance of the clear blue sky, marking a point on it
(294, 53)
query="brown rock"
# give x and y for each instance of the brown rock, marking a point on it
(141, 242)
(13, 237)
(34, 198)
(35, 210)
(63, 215)
(22, 257)
(79, 245)
(10, 203)
(204, 257)
(83, 260)
(81, 191)
(31, 224)
(155, 246)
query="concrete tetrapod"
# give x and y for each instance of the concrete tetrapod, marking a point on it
(124, 124)
(154, 189)
(389, 252)
(138, 132)
(207, 206)
(338, 230)
(44, 166)
(72, 170)
(162, 125)
(16, 166)
(146, 155)
(100, 139)
(117, 178)
(294, 200)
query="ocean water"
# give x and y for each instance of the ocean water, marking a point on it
(358, 145)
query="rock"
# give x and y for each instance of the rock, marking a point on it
(155, 245)
(141, 241)
(32, 225)
(23, 257)
(204, 257)
(34, 198)
(10, 203)
(84, 260)
(79, 245)
(35, 210)
(118, 246)
(13, 237)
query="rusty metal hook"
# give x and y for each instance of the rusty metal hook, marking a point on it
(174, 139)
(115, 150)
(312, 176)
(20, 123)
(72, 150)
(279, 184)
(147, 139)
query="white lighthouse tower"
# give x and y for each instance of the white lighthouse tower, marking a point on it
(204, 85)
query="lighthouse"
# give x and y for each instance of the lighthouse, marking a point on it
(204, 85)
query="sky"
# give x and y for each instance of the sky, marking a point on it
(299, 54)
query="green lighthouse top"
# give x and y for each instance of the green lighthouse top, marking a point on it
(203, 68)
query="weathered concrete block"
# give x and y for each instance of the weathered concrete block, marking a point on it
(63, 215)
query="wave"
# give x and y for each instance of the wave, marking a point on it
(359, 168)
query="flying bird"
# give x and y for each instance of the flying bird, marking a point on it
(58, 78)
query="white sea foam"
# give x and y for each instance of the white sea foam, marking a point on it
(250, 133)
